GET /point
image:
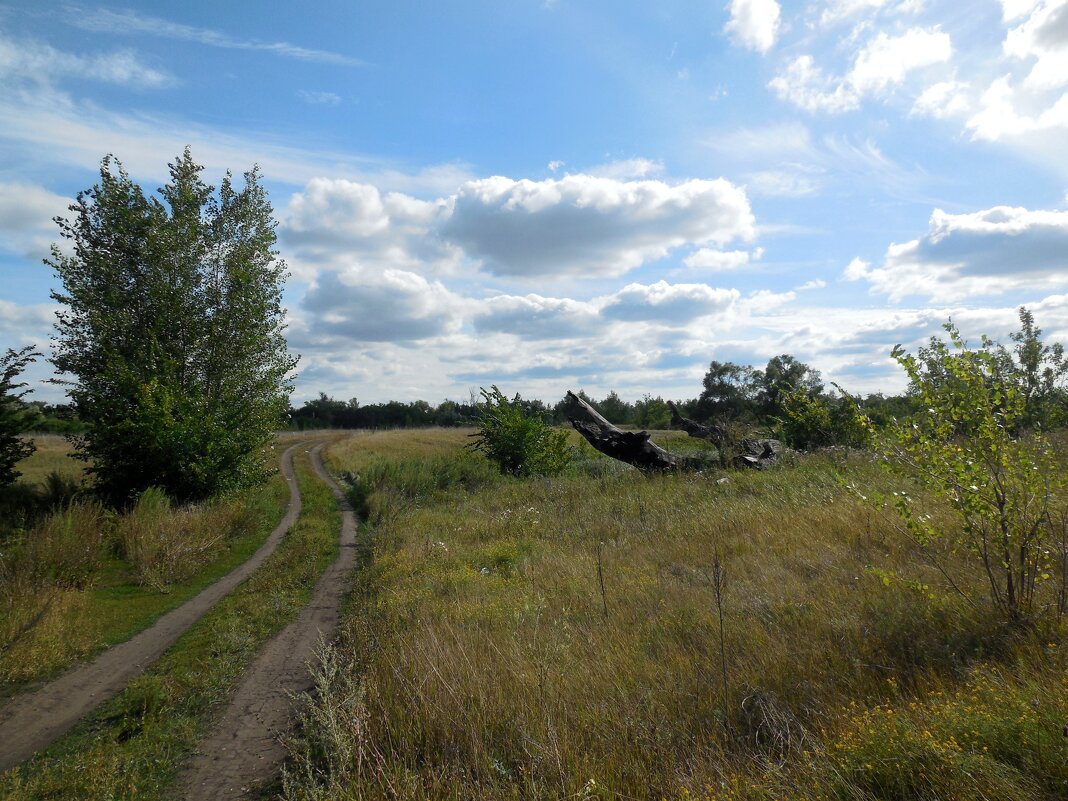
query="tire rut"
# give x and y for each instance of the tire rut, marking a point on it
(245, 750)
(33, 720)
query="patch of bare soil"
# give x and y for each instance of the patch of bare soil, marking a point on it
(244, 751)
(33, 720)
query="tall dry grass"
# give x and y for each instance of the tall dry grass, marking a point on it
(561, 638)
(165, 545)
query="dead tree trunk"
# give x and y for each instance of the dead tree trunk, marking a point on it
(633, 447)
(753, 453)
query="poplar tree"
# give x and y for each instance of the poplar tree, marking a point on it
(171, 329)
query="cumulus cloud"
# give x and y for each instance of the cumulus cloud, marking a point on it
(668, 304)
(370, 306)
(987, 252)
(754, 24)
(716, 260)
(585, 225)
(536, 317)
(38, 63)
(335, 222)
(1028, 99)
(885, 61)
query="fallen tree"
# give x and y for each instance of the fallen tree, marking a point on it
(637, 449)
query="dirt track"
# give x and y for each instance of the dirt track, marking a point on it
(33, 720)
(244, 749)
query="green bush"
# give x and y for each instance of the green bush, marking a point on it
(520, 442)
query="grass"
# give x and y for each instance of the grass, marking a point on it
(133, 746)
(53, 455)
(544, 639)
(76, 584)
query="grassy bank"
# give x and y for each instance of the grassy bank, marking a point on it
(611, 635)
(84, 578)
(133, 746)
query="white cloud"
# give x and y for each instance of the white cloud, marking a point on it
(808, 87)
(584, 225)
(357, 305)
(839, 10)
(815, 283)
(717, 260)
(26, 213)
(984, 253)
(39, 63)
(668, 304)
(336, 223)
(885, 61)
(794, 181)
(131, 23)
(537, 317)
(27, 325)
(627, 169)
(319, 98)
(942, 100)
(754, 24)
(1029, 99)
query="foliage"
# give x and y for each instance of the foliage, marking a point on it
(1039, 371)
(729, 391)
(652, 413)
(964, 446)
(783, 376)
(14, 414)
(819, 421)
(520, 442)
(173, 329)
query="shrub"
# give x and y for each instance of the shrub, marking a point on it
(520, 442)
(963, 445)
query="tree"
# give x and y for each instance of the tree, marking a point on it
(729, 392)
(172, 328)
(1039, 371)
(14, 414)
(783, 375)
(963, 444)
(615, 409)
(518, 440)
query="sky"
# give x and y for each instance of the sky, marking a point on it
(561, 194)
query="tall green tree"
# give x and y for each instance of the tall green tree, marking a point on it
(729, 391)
(14, 414)
(784, 375)
(172, 328)
(1039, 370)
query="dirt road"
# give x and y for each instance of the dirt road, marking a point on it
(244, 749)
(33, 720)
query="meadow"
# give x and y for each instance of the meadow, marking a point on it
(613, 635)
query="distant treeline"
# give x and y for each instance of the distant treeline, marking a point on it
(755, 396)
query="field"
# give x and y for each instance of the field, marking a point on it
(606, 634)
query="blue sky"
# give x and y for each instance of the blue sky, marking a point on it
(565, 194)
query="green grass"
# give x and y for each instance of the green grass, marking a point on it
(112, 606)
(53, 455)
(481, 659)
(133, 746)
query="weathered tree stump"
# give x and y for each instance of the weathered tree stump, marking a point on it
(753, 453)
(633, 447)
